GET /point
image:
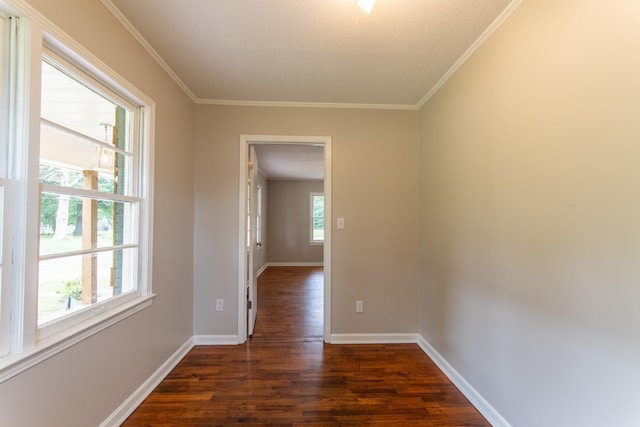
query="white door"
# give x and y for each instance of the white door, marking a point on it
(252, 279)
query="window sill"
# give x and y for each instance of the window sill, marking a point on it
(316, 243)
(13, 364)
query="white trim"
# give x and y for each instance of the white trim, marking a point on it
(374, 338)
(127, 407)
(26, 188)
(6, 221)
(328, 239)
(245, 141)
(243, 247)
(294, 264)
(87, 251)
(216, 340)
(262, 269)
(476, 399)
(467, 54)
(305, 104)
(85, 138)
(90, 194)
(155, 55)
(12, 365)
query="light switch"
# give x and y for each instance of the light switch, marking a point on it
(340, 223)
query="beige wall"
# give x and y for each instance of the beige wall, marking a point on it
(86, 383)
(288, 236)
(530, 216)
(375, 188)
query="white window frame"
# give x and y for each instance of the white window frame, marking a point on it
(5, 192)
(60, 324)
(313, 241)
(6, 195)
(28, 345)
(259, 216)
(248, 212)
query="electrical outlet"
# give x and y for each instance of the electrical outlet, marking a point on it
(219, 305)
(359, 306)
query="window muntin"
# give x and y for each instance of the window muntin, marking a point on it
(72, 240)
(316, 221)
(89, 212)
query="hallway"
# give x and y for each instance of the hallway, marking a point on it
(290, 305)
(286, 375)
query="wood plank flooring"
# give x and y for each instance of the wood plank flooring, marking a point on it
(285, 375)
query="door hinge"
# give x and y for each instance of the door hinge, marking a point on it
(249, 305)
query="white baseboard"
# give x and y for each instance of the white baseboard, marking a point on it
(373, 338)
(128, 406)
(215, 340)
(294, 264)
(476, 399)
(261, 270)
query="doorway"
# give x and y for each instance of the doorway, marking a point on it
(247, 280)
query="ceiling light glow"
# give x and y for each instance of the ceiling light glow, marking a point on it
(366, 5)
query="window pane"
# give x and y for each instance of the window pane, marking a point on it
(63, 225)
(75, 106)
(317, 217)
(75, 178)
(85, 143)
(66, 284)
(83, 131)
(318, 205)
(64, 157)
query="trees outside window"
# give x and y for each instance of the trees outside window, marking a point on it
(317, 218)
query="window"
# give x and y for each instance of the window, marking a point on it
(75, 198)
(89, 198)
(5, 186)
(317, 218)
(259, 216)
(248, 209)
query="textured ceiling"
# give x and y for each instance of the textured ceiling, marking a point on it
(291, 161)
(309, 51)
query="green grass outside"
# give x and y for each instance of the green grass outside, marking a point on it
(54, 273)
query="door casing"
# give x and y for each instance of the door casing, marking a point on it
(245, 142)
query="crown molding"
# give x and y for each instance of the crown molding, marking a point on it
(305, 104)
(479, 41)
(155, 55)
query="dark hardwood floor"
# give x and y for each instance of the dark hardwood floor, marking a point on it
(286, 375)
